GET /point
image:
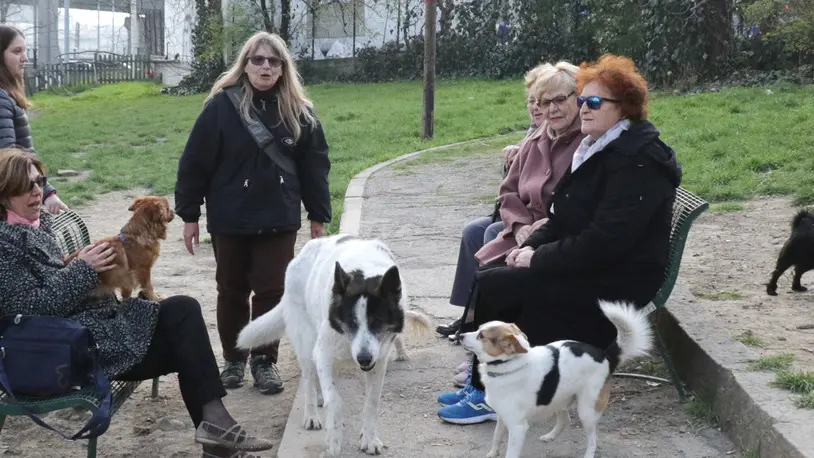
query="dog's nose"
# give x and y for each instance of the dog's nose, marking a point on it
(365, 360)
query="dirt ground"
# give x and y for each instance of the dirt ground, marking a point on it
(728, 259)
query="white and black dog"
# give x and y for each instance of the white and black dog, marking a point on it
(344, 299)
(524, 383)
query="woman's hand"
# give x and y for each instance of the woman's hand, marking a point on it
(317, 229)
(191, 234)
(520, 257)
(522, 233)
(53, 205)
(509, 153)
(100, 256)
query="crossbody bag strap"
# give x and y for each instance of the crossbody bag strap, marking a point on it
(265, 140)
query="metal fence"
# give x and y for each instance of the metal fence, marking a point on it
(102, 69)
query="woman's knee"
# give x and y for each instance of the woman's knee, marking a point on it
(178, 308)
(492, 231)
(473, 232)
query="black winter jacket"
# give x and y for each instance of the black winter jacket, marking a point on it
(14, 129)
(246, 193)
(611, 217)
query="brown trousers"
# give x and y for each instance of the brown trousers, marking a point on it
(244, 264)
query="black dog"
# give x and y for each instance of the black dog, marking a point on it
(798, 251)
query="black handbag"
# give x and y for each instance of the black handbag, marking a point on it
(47, 356)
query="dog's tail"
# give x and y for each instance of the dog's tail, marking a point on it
(264, 330)
(416, 324)
(634, 334)
(801, 216)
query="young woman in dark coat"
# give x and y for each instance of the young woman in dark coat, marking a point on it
(607, 236)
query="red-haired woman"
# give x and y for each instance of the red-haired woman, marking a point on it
(607, 235)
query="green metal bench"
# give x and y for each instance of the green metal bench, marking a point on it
(686, 209)
(71, 234)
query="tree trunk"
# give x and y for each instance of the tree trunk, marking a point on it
(268, 18)
(429, 69)
(285, 20)
(446, 8)
(398, 22)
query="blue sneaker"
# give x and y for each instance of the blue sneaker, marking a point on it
(453, 397)
(470, 410)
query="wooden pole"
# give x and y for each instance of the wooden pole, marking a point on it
(429, 68)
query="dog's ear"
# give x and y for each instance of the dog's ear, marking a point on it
(391, 282)
(341, 280)
(136, 204)
(511, 346)
(156, 210)
(517, 331)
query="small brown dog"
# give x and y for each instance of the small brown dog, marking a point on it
(137, 248)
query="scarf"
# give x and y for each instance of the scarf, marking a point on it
(13, 218)
(590, 147)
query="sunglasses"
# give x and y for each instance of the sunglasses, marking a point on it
(594, 101)
(273, 61)
(41, 181)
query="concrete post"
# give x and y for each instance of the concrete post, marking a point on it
(66, 32)
(135, 28)
(47, 30)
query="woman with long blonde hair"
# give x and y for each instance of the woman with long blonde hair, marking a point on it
(253, 191)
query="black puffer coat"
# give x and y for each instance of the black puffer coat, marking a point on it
(14, 129)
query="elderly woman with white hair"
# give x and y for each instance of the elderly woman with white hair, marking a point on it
(253, 192)
(481, 230)
(524, 194)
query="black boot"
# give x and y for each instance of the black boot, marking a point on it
(449, 329)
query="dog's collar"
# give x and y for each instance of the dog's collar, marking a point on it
(497, 362)
(499, 374)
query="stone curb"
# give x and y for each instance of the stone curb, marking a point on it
(752, 413)
(296, 441)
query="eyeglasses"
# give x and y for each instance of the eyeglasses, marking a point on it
(273, 61)
(559, 100)
(41, 181)
(594, 101)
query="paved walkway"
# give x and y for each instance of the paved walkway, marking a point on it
(419, 210)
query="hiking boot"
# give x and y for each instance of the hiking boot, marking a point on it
(232, 375)
(265, 374)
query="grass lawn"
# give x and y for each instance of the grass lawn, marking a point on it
(130, 135)
(733, 145)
